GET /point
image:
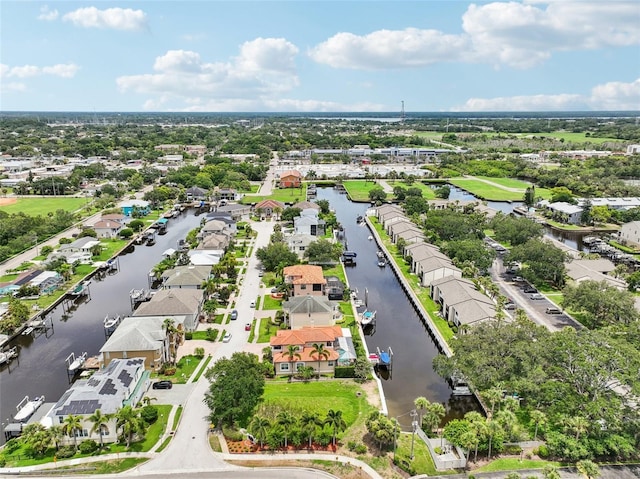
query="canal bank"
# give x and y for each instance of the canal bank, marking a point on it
(398, 325)
(40, 367)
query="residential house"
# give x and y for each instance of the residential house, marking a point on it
(235, 210)
(460, 303)
(305, 279)
(267, 208)
(196, 194)
(413, 233)
(384, 209)
(214, 242)
(421, 250)
(186, 277)
(122, 383)
(120, 218)
(563, 211)
(386, 219)
(303, 311)
(135, 207)
(208, 257)
(144, 337)
(305, 339)
(175, 302)
(630, 233)
(47, 281)
(226, 218)
(290, 179)
(334, 288)
(430, 269)
(107, 228)
(79, 250)
(298, 243)
(309, 224)
(215, 227)
(307, 205)
(22, 279)
(226, 194)
(594, 270)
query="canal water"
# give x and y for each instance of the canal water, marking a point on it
(40, 367)
(398, 325)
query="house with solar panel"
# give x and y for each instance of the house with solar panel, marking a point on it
(122, 383)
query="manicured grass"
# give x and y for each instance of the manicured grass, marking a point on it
(252, 333)
(195, 380)
(41, 206)
(285, 195)
(154, 431)
(266, 330)
(565, 226)
(270, 303)
(204, 335)
(427, 192)
(508, 182)
(422, 462)
(164, 444)
(511, 464)
(8, 277)
(317, 396)
(358, 190)
(431, 135)
(214, 442)
(109, 248)
(176, 418)
(494, 193)
(336, 270)
(105, 467)
(572, 137)
(185, 368)
(615, 244)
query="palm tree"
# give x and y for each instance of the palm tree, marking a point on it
(539, 419)
(130, 422)
(507, 419)
(494, 396)
(286, 420)
(336, 422)
(56, 432)
(588, 469)
(578, 425)
(292, 353)
(493, 428)
(468, 440)
(169, 328)
(422, 404)
(100, 421)
(550, 472)
(479, 427)
(309, 421)
(209, 286)
(434, 414)
(320, 352)
(260, 427)
(72, 424)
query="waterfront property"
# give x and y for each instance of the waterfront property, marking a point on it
(108, 228)
(460, 302)
(79, 250)
(267, 208)
(123, 382)
(305, 279)
(630, 234)
(304, 311)
(298, 243)
(139, 207)
(305, 339)
(186, 277)
(290, 179)
(175, 302)
(309, 223)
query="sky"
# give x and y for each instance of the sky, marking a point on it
(320, 56)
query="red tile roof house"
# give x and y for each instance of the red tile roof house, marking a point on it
(267, 208)
(290, 179)
(305, 279)
(305, 338)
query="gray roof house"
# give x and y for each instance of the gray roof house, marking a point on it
(195, 193)
(302, 311)
(419, 251)
(402, 226)
(123, 382)
(298, 243)
(412, 235)
(460, 303)
(309, 224)
(430, 269)
(214, 242)
(384, 209)
(186, 277)
(175, 302)
(214, 227)
(391, 217)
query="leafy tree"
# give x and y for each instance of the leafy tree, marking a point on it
(126, 233)
(530, 196)
(443, 192)
(276, 256)
(515, 230)
(415, 205)
(545, 262)
(633, 281)
(130, 423)
(237, 384)
(434, 413)
(377, 194)
(37, 437)
(324, 206)
(538, 418)
(290, 213)
(421, 403)
(601, 303)
(562, 193)
(469, 250)
(382, 429)
(136, 225)
(323, 251)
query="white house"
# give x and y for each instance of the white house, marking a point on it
(630, 233)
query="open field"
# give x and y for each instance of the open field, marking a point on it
(572, 137)
(41, 205)
(490, 192)
(358, 190)
(286, 195)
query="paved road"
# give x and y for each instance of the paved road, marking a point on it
(257, 473)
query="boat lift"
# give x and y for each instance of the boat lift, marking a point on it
(74, 365)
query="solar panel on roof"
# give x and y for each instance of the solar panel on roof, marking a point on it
(108, 388)
(125, 378)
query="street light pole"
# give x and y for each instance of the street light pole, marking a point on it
(414, 425)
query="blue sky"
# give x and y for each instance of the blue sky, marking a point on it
(241, 56)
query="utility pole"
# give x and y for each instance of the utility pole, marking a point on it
(414, 426)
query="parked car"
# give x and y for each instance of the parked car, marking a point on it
(553, 311)
(247, 327)
(275, 289)
(234, 314)
(162, 385)
(536, 296)
(518, 279)
(510, 306)
(252, 304)
(226, 338)
(529, 289)
(260, 273)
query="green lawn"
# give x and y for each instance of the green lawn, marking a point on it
(430, 135)
(113, 466)
(252, 333)
(512, 464)
(286, 195)
(109, 248)
(575, 137)
(185, 368)
(203, 369)
(266, 330)
(270, 303)
(422, 462)
(317, 396)
(358, 190)
(508, 182)
(495, 193)
(41, 206)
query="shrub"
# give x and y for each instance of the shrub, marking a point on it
(344, 372)
(149, 414)
(541, 451)
(361, 449)
(3, 462)
(512, 449)
(88, 446)
(45, 250)
(126, 233)
(351, 445)
(198, 353)
(12, 445)
(405, 465)
(188, 336)
(232, 434)
(64, 241)
(169, 370)
(437, 450)
(66, 451)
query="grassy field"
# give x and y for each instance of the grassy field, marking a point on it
(495, 193)
(512, 464)
(41, 206)
(184, 369)
(270, 303)
(573, 137)
(431, 135)
(317, 396)
(266, 330)
(286, 195)
(358, 190)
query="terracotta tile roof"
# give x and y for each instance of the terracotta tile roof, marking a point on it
(270, 204)
(295, 173)
(306, 355)
(306, 335)
(304, 274)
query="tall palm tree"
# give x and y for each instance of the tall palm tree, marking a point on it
(130, 422)
(71, 425)
(286, 420)
(169, 329)
(309, 421)
(292, 353)
(422, 404)
(539, 419)
(434, 414)
(507, 419)
(479, 427)
(259, 427)
(209, 286)
(336, 422)
(100, 421)
(578, 425)
(56, 433)
(319, 351)
(493, 428)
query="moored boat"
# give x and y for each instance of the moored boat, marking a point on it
(8, 355)
(367, 317)
(76, 363)
(27, 407)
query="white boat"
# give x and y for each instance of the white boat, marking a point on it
(111, 322)
(370, 238)
(380, 254)
(382, 263)
(367, 317)
(8, 355)
(76, 363)
(27, 407)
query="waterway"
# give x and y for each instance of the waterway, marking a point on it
(40, 368)
(398, 325)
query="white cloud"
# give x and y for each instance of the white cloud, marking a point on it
(519, 35)
(385, 49)
(609, 96)
(110, 18)
(13, 87)
(47, 15)
(263, 70)
(63, 70)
